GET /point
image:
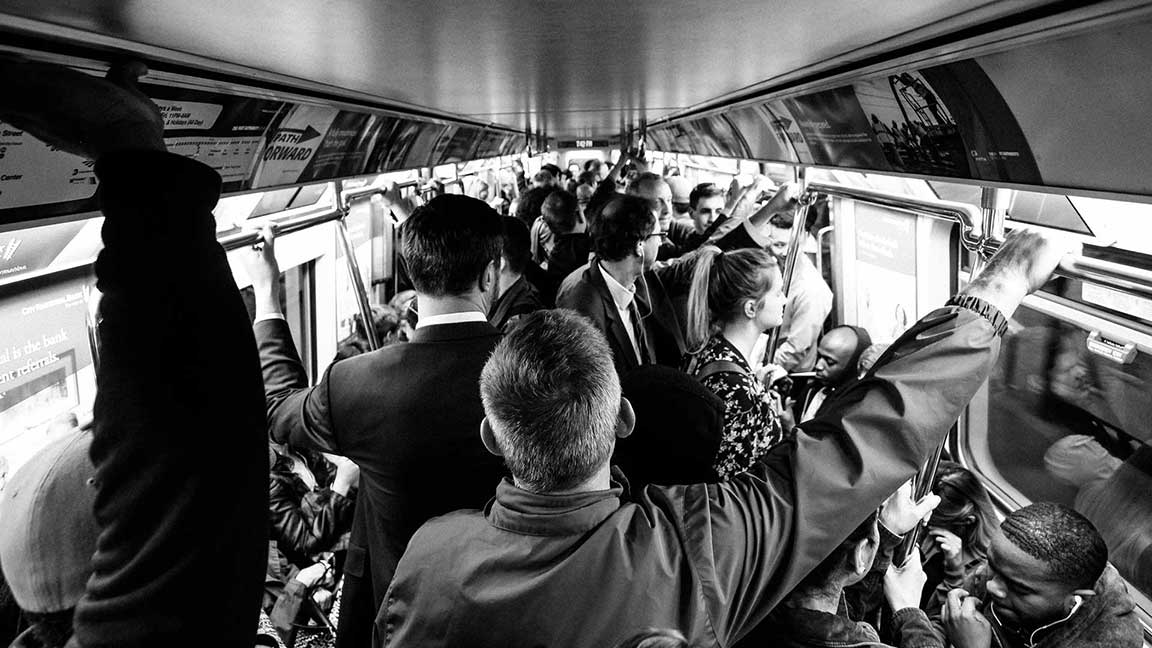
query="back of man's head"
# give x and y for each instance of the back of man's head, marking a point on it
(1062, 539)
(553, 169)
(623, 223)
(517, 247)
(552, 399)
(447, 243)
(528, 208)
(561, 211)
(841, 567)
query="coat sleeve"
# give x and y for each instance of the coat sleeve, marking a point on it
(753, 539)
(311, 525)
(297, 414)
(178, 444)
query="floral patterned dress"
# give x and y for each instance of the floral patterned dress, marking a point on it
(751, 425)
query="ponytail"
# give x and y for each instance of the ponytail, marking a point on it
(699, 327)
(721, 282)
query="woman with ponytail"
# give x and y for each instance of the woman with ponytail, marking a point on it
(736, 296)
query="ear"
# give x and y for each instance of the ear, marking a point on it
(626, 421)
(488, 278)
(863, 556)
(749, 308)
(488, 437)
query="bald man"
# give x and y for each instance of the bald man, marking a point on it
(836, 358)
(656, 189)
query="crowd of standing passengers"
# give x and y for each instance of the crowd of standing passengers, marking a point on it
(740, 517)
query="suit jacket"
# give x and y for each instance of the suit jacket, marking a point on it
(407, 414)
(585, 292)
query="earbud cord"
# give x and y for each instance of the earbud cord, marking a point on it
(1032, 637)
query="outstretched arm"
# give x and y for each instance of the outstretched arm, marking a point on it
(179, 403)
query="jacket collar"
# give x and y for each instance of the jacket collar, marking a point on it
(458, 331)
(815, 628)
(519, 511)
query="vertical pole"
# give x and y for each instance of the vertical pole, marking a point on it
(354, 270)
(795, 247)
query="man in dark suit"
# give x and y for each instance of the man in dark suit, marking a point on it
(407, 414)
(618, 291)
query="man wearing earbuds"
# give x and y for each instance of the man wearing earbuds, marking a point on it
(1047, 584)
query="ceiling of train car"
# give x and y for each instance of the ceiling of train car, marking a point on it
(566, 68)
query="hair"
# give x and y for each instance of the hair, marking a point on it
(702, 191)
(592, 164)
(553, 169)
(544, 177)
(552, 397)
(622, 223)
(447, 243)
(588, 178)
(637, 183)
(561, 212)
(869, 356)
(517, 248)
(721, 282)
(822, 575)
(655, 638)
(528, 208)
(1062, 539)
(964, 507)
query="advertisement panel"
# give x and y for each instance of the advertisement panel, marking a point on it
(765, 141)
(885, 272)
(835, 129)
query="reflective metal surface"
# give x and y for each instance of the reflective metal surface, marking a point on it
(565, 68)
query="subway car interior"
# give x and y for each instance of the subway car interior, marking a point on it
(920, 134)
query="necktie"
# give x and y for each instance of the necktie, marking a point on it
(638, 331)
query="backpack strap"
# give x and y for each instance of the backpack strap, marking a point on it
(719, 366)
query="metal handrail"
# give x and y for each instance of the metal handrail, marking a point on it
(968, 217)
(236, 240)
(350, 195)
(1124, 278)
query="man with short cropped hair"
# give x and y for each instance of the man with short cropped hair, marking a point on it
(563, 557)
(837, 356)
(517, 296)
(395, 411)
(1047, 584)
(654, 188)
(571, 244)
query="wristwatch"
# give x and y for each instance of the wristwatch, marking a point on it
(981, 308)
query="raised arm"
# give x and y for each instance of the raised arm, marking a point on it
(178, 440)
(297, 414)
(806, 497)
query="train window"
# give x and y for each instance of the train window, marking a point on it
(1117, 223)
(1069, 425)
(296, 303)
(291, 198)
(956, 192)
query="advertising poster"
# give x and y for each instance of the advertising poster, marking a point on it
(764, 140)
(29, 250)
(513, 144)
(337, 149)
(491, 144)
(787, 130)
(916, 131)
(994, 144)
(423, 138)
(43, 344)
(226, 133)
(885, 272)
(291, 144)
(456, 145)
(714, 136)
(32, 172)
(835, 129)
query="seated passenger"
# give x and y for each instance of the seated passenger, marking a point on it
(628, 303)
(815, 614)
(311, 499)
(1047, 584)
(735, 298)
(956, 542)
(561, 557)
(516, 295)
(836, 359)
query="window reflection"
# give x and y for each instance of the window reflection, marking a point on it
(1069, 426)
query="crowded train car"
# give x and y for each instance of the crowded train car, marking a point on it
(576, 324)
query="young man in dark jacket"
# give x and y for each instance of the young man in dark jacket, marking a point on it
(1047, 584)
(561, 557)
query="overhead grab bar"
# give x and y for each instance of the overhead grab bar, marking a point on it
(1124, 278)
(236, 240)
(968, 217)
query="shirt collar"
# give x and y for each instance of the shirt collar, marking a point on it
(621, 296)
(450, 318)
